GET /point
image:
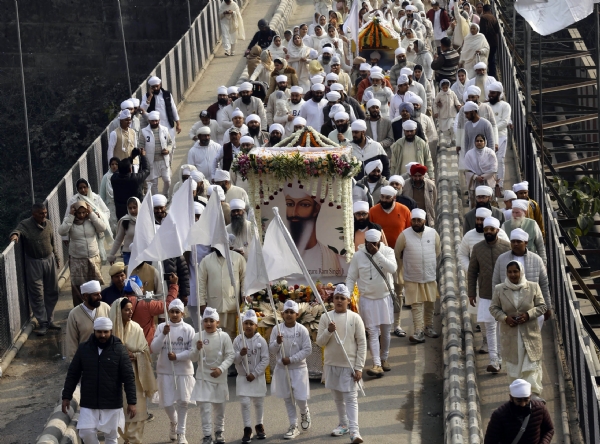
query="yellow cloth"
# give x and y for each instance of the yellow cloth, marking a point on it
(417, 292)
(134, 431)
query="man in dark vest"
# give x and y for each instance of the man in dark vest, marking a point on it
(224, 159)
(161, 100)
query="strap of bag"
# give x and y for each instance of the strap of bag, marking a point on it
(380, 271)
(521, 430)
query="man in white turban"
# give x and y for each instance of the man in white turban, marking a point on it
(533, 210)
(410, 148)
(483, 198)
(481, 79)
(520, 220)
(240, 226)
(223, 179)
(204, 152)
(378, 90)
(379, 128)
(502, 112)
(80, 323)
(286, 109)
(232, 25)
(342, 134)
(375, 305)
(122, 139)
(373, 179)
(312, 110)
(417, 250)
(249, 104)
(253, 122)
(158, 143)
(362, 224)
(366, 149)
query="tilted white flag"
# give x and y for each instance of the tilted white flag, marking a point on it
(549, 16)
(351, 23)
(144, 232)
(256, 278)
(279, 259)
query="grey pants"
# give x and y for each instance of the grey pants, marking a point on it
(42, 286)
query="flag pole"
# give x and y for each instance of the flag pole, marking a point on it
(161, 272)
(296, 253)
(200, 335)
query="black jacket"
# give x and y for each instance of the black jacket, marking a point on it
(103, 376)
(110, 294)
(129, 185)
(408, 202)
(263, 38)
(504, 426)
(398, 131)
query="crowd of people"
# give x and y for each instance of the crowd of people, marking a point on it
(440, 92)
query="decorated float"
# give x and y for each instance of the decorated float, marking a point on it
(378, 35)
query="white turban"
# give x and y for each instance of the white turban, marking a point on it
(406, 71)
(342, 115)
(153, 115)
(388, 191)
(409, 125)
(90, 287)
(480, 65)
(252, 118)
(124, 114)
(290, 305)
(152, 81)
(299, 121)
(418, 213)
(198, 208)
(491, 222)
(483, 190)
(250, 315)
(210, 313)
(521, 186)
(194, 184)
(318, 87)
(127, 104)
(158, 200)
(376, 75)
(373, 102)
(332, 76)
(221, 175)
(496, 86)
(313, 54)
(232, 90)
(369, 167)
(337, 108)
(205, 130)
(473, 91)
(373, 235)
(336, 87)
(281, 78)
(316, 79)
(237, 204)
(359, 125)
(196, 175)
(415, 99)
(327, 50)
(483, 212)
(136, 102)
(176, 303)
(471, 106)
(507, 214)
(277, 127)
(333, 96)
(364, 67)
(219, 191)
(222, 90)
(402, 79)
(237, 113)
(375, 55)
(185, 170)
(296, 89)
(246, 86)
(247, 139)
(518, 234)
(520, 389)
(342, 289)
(521, 204)
(359, 206)
(411, 8)
(103, 324)
(399, 51)
(509, 195)
(397, 179)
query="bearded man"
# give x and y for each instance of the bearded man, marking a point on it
(483, 199)
(275, 134)
(481, 79)
(249, 104)
(240, 227)
(410, 148)
(157, 142)
(253, 122)
(362, 224)
(342, 133)
(223, 179)
(423, 191)
(520, 220)
(373, 180)
(401, 62)
(204, 152)
(379, 128)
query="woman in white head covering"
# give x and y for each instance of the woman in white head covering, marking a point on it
(298, 58)
(516, 305)
(263, 71)
(277, 48)
(125, 232)
(481, 166)
(475, 49)
(459, 87)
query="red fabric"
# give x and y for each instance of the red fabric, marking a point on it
(418, 169)
(444, 19)
(392, 223)
(144, 311)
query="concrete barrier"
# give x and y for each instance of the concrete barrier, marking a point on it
(60, 426)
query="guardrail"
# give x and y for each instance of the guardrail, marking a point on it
(576, 341)
(178, 71)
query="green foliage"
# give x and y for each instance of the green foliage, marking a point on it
(583, 200)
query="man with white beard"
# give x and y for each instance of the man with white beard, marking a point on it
(379, 91)
(502, 112)
(481, 79)
(520, 220)
(240, 227)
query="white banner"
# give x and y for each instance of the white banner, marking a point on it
(549, 16)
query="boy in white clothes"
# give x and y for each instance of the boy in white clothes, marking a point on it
(294, 344)
(214, 352)
(341, 379)
(175, 391)
(251, 384)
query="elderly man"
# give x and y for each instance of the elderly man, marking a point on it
(205, 120)
(80, 323)
(379, 91)
(507, 422)
(215, 289)
(483, 199)
(535, 270)
(117, 281)
(519, 219)
(402, 95)
(418, 260)
(423, 191)
(533, 210)
(103, 367)
(295, 103)
(366, 149)
(158, 144)
(368, 81)
(342, 134)
(249, 104)
(379, 128)
(479, 265)
(373, 180)
(371, 269)
(398, 182)
(161, 100)
(202, 155)
(253, 122)
(223, 179)
(393, 217)
(362, 224)
(240, 227)
(481, 79)
(123, 139)
(410, 148)
(299, 123)
(401, 62)
(41, 264)
(502, 112)
(312, 110)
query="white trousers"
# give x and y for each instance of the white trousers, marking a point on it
(90, 436)
(492, 334)
(502, 142)
(177, 414)
(206, 410)
(229, 38)
(375, 346)
(163, 171)
(291, 409)
(259, 408)
(347, 407)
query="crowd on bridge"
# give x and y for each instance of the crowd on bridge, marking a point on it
(441, 91)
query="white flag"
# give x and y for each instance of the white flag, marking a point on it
(172, 235)
(256, 278)
(279, 259)
(549, 16)
(351, 22)
(144, 232)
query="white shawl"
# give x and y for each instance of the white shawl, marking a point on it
(236, 18)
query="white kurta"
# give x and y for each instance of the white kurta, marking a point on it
(258, 359)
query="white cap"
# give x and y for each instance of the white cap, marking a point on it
(158, 200)
(509, 195)
(246, 139)
(337, 108)
(376, 75)
(90, 287)
(360, 205)
(332, 76)
(491, 222)
(373, 235)
(399, 50)
(341, 115)
(210, 313)
(253, 118)
(203, 130)
(237, 113)
(483, 190)
(496, 86)
(336, 87)
(136, 102)
(520, 204)
(219, 192)
(198, 208)
(520, 389)
(409, 125)
(373, 102)
(196, 175)
(333, 96)
(232, 90)
(178, 304)
(127, 104)
(152, 81)
(246, 86)
(471, 106)
(480, 65)
(297, 89)
(318, 87)
(316, 79)
(153, 115)
(222, 90)
(313, 54)
(483, 212)
(281, 78)
(418, 213)
(364, 67)
(124, 114)
(299, 121)
(402, 79)
(388, 190)
(369, 167)
(473, 91)
(221, 175)
(327, 50)
(415, 99)
(406, 71)
(342, 289)
(290, 305)
(103, 324)
(276, 127)
(411, 8)
(250, 315)
(518, 234)
(521, 186)
(397, 179)
(237, 204)
(359, 125)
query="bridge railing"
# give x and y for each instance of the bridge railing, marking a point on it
(178, 70)
(576, 341)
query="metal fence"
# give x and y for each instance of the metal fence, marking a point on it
(576, 341)
(178, 70)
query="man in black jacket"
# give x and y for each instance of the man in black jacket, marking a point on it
(263, 37)
(102, 364)
(128, 184)
(445, 64)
